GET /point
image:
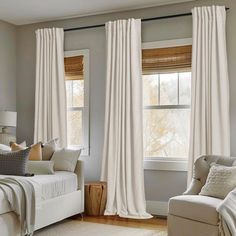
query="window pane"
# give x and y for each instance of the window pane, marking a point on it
(150, 90)
(78, 93)
(185, 88)
(69, 93)
(166, 132)
(169, 89)
(75, 131)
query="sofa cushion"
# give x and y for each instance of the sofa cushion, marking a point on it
(195, 207)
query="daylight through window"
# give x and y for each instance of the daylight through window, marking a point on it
(166, 99)
(77, 111)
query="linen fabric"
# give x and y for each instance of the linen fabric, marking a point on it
(122, 166)
(50, 92)
(65, 159)
(48, 149)
(40, 167)
(209, 126)
(227, 211)
(195, 207)
(21, 198)
(220, 181)
(14, 163)
(35, 151)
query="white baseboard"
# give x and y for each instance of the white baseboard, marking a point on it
(157, 208)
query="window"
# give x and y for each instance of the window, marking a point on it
(76, 75)
(166, 99)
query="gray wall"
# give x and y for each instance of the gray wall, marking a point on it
(159, 185)
(7, 66)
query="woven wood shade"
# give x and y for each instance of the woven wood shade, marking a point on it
(166, 59)
(74, 68)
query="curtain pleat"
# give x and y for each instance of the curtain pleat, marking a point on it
(50, 92)
(122, 165)
(210, 122)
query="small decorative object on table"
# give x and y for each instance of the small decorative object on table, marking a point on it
(95, 198)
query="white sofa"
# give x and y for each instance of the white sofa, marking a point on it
(52, 210)
(192, 214)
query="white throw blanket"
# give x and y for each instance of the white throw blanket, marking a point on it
(227, 211)
(20, 194)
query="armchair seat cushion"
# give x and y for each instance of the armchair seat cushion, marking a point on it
(195, 207)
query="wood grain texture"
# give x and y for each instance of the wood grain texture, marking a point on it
(156, 223)
(95, 198)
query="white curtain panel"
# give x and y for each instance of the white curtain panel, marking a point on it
(50, 91)
(122, 165)
(210, 130)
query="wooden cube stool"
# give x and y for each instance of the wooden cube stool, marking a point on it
(95, 198)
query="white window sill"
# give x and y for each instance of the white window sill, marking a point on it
(166, 165)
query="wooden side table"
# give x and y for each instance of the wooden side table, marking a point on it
(95, 198)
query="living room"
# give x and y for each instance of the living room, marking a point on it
(170, 25)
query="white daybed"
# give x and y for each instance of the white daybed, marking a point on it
(66, 203)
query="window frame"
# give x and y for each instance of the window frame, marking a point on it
(85, 108)
(163, 163)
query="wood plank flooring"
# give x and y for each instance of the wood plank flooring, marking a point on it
(156, 223)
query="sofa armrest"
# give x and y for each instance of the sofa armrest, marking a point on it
(79, 171)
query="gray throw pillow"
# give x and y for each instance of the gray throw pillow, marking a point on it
(14, 163)
(48, 149)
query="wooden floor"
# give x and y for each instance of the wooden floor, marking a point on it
(156, 223)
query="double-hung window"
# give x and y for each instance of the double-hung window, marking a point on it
(166, 100)
(77, 90)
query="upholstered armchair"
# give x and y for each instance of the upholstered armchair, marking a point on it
(192, 214)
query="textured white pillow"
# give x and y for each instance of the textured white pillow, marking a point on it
(65, 159)
(4, 148)
(40, 167)
(220, 181)
(49, 148)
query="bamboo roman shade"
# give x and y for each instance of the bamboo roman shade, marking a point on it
(166, 59)
(74, 68)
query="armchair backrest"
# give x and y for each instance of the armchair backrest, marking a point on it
(201, 169)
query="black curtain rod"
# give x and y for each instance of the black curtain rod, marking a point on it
(143, 20)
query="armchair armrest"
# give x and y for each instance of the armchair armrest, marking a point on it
(194, 188)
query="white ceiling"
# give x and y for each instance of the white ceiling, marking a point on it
(21, 12)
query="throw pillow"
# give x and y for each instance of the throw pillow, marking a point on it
(220, 181)
(65, 159)
(35, 152)
(48, 149)
(14, 163)
(23, 144)
(4, 148)
(40, 167)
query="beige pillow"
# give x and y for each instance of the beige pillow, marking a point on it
(220, 181)
(48, 149)
(35, 151)
(19, 147)
(40, 167)
(65, 159)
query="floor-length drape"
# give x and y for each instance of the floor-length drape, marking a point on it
(50, 93)
(209, 131)
(122, 165)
